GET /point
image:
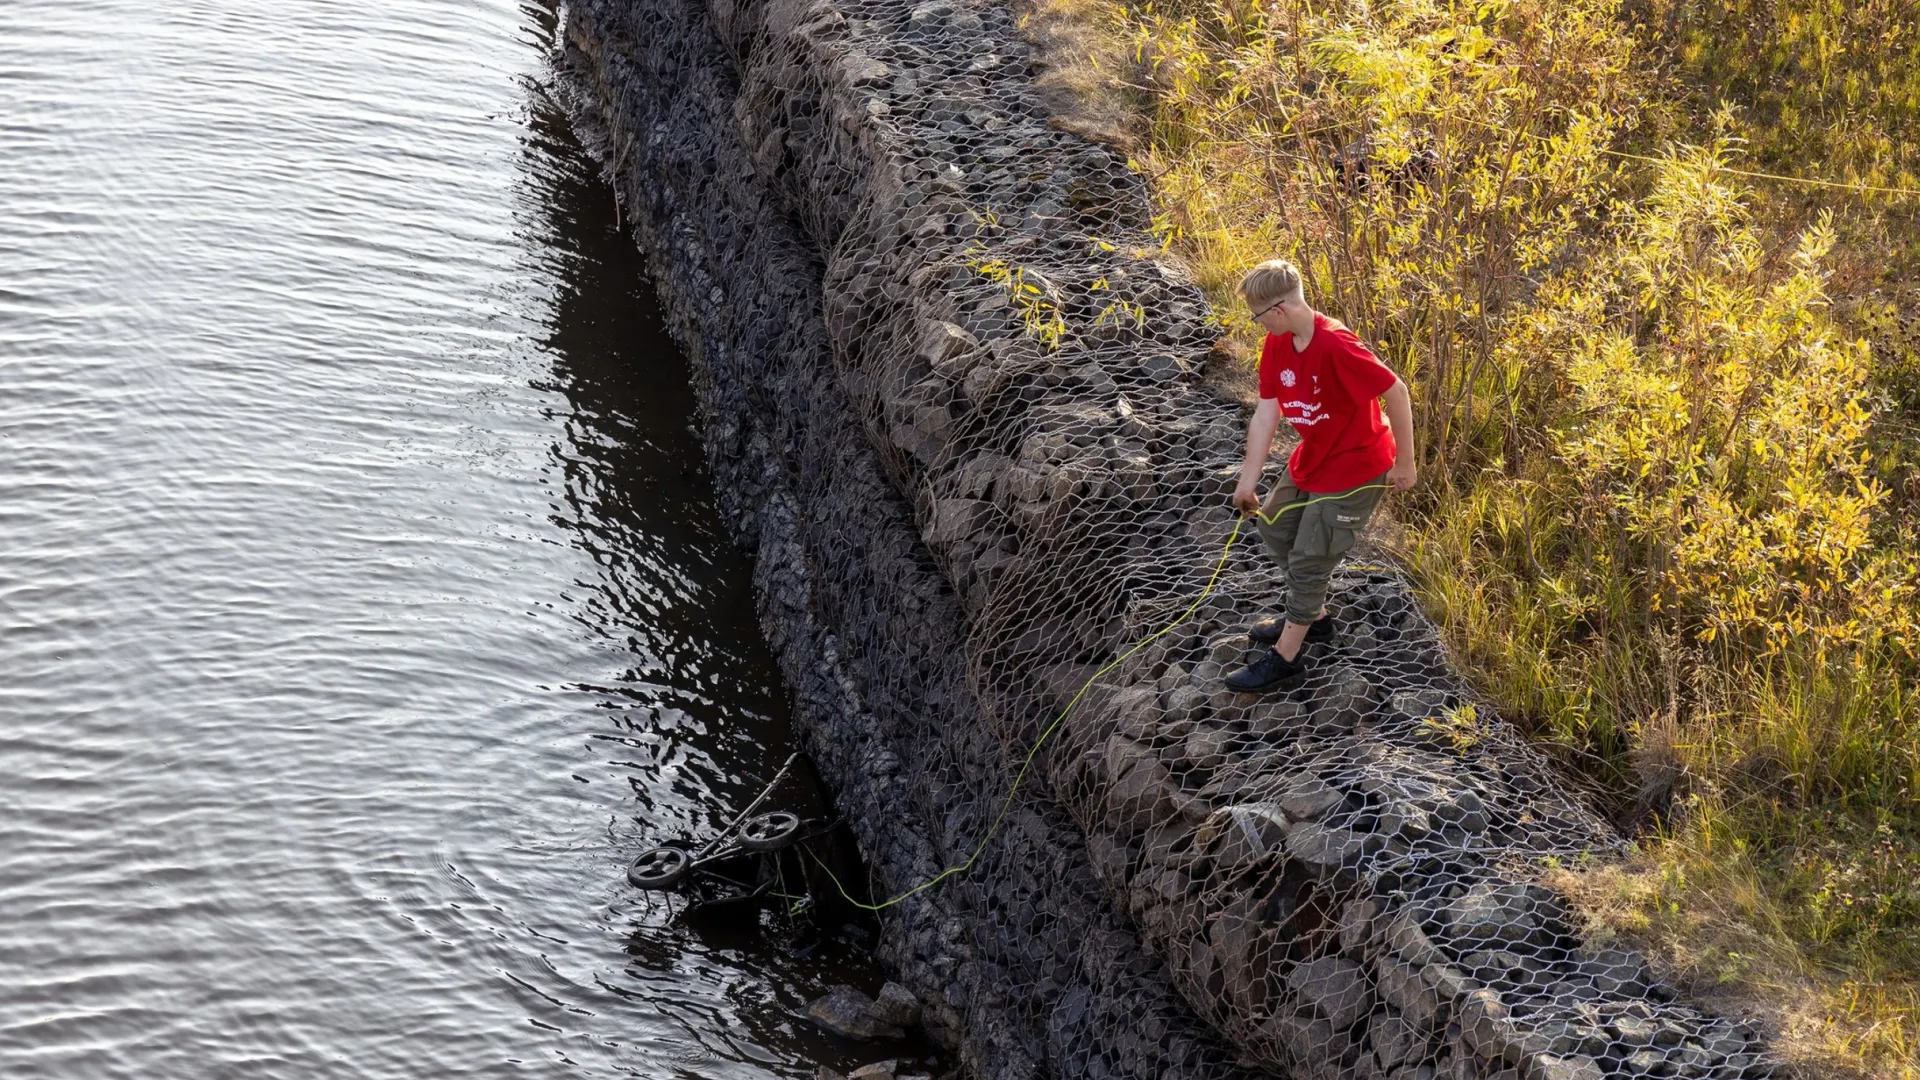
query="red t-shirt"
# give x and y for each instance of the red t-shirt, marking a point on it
(1330, 393)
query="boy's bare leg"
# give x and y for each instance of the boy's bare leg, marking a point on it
(1292, 634)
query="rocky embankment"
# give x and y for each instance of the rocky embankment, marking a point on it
(956, 406)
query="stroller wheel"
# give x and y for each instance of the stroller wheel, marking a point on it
(659, 869)
(770, 831)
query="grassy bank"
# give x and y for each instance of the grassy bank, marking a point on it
(1667, 411)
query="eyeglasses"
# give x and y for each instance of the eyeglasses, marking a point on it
(1269, 307)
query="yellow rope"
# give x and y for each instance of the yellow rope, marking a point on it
(1020, 776)
(1870, 189)
(1841, 185)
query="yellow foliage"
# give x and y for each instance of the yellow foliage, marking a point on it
(1720, 424)
(1659, 526)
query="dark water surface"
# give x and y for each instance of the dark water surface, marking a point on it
(364, 606)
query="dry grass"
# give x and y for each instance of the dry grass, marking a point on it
(1088, 82)
(1712, 929)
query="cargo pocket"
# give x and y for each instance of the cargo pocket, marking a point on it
(1345, 517)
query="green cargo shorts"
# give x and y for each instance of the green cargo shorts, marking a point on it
(1309, 540)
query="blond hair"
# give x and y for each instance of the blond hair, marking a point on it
(1271, 281)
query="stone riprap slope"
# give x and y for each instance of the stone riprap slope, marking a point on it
(1023, 964)
(959, 411)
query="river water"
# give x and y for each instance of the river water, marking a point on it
(364, 606)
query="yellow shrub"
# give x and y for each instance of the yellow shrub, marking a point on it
(1723, 422)
(1656, 526)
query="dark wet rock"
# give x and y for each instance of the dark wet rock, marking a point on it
(896, 1005)
(850, 1014)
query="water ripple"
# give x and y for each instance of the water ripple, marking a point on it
(360, 598)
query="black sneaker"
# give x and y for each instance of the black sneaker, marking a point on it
(1267, 631)
(1271, 672)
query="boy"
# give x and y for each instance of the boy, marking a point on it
(1317, 374)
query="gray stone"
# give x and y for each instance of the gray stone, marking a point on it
(957, 519)
(1405, 819)
(941, 341)
(1458, 801)
(1239, 944)
(1725, 1040)
(1307, 1040)
(860, 70)
(1135, 711)
(1269, 722)
(1488, 913)
(1573, 989)
(1356, 923)
(1645, 1063)
(1207, 747)
(896, 1005)
(1109, 858)
(1417, 705)
(1633, 1030)
(1122, 754)
(1263, 825)
(1323, 848)
(1411, 943)
(1394, 1040)
(1184, 702)
(1402, 987)
(1335, 987)
(848, 1013)
(1308, 798)
(878, 1070)
(1485, 1025)
(1488, 965)
(1614, 972)
(1146, 796)
(1347, 699)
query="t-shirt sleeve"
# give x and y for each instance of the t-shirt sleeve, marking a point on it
(1362, 373)
(1269, 367)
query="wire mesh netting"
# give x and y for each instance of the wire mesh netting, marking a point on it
(1339, 879)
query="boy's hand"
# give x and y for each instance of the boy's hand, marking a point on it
(1403, 475)
(1246, 500)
